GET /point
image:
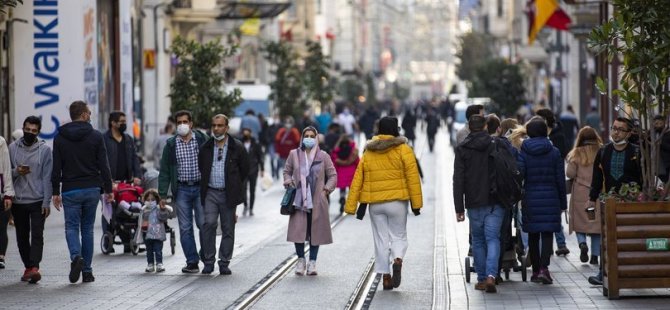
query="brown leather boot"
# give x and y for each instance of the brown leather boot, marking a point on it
(480, 286)
(387, 281)
(397, 267)
(490, 284)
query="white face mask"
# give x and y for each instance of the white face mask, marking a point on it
(219, 138)
(183, 129)
(622, 142)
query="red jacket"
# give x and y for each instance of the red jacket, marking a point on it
(286, 141)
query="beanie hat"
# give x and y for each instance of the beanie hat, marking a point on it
(388, 126)
(536, 129)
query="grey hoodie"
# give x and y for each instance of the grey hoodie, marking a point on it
(36, 185)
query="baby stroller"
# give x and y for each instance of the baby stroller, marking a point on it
(125, 210)
(511, 259)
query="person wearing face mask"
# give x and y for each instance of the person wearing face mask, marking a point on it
(256, 163)
(286, 139)
(311, 171)
(224, 166)
(31, 173)
(616, 163)
(154, 217)
(124, 164)
(179, 173)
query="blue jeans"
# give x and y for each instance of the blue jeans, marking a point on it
(560, 238)
(79, 207)
(154, 249)
(595, 242)
(188, 203)
(485, 225)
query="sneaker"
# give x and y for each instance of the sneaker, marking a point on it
(544, 277)
(2, 263)
(584, 254)
(150, 268)
(75, 268)
(87, 277)
(159, 267)
(490, 284)
(34, 275)
(562, 250)
(311, 268)
(26, 275)
(594, 260)
(387, 282)
(397, 267)
(209, 268)
(595, 280)
(191, 268)
(534, 278)
(224, 270)
(480, 286)
(300, 267)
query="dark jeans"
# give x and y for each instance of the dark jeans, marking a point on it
(300, 247)
(215, 209)
(154, 248)
(250, 188)
(540, 257)
(4, 220)
(29, 222)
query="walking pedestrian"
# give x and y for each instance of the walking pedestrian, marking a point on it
(387, 178)
(224, 166)
(475, 109)
(31, 174)
(179, 173)
(593, 119)
(432, 125)
(124, 165)
(570, 125)
(472, 192)
(615, 164)
(580, 171)
(249, 120)
(7, 194)
(80, 166)
(408, 125)
(159, 144)
(154, 219)
(270, 146)
(543, 171)
(286, 139)
(345, 159)
(661, 135)
(256, 164)
(311, 172)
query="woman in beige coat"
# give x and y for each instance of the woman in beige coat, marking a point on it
(580, 170)
(311, 171)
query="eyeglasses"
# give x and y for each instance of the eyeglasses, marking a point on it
(220, 157)
(619, 129)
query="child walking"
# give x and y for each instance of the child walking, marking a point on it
(154, 218)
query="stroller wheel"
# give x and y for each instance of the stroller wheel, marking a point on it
(173, 242)
(467, 269)
(134, 247)
(107, 243)
(507, 274)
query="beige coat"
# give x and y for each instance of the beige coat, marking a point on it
(326, 179)
(579, 221)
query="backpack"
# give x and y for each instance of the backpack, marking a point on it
(504, 175)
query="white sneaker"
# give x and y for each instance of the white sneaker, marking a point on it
(150, 268)
(300, 267)
(311, 268)
(159, 268)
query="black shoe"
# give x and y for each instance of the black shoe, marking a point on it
(191, 268)
(594, 260)
(87, 277)
(209, 268)
(126, 249)
(251, 212)
(75, 268)
(2, 263)
(595, 280)
(562, 250)
(224, 270)
(584, 255)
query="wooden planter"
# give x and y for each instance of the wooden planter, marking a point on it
(631, 255)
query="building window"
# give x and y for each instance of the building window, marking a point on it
(292, 11)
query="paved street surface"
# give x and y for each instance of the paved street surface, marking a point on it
(432, 275)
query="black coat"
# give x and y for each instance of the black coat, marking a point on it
(132, 161)
(558, 140)
(471, 174)
(236, 170)
(256, 161)
(632, 171)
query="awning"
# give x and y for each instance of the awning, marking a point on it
(245, 9)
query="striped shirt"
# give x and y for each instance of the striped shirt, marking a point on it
(218, 177)
(187, 160)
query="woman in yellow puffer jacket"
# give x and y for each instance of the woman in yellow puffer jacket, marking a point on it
(386, 178)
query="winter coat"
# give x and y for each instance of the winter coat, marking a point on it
(36, 185)
(79, 159)
(132, 161)
(345, 167)
(471, 172)
(581, 185)
(155, 220)
(324, 171)
(168, 176)
(543, 171)
(387, 172)
(408, 125)
(6, 184)
(558, 139)
(286, 141)
(632, 171)
(256, 156)
(236, 170)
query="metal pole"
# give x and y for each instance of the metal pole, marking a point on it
(602, 72)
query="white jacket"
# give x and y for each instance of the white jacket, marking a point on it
(5, 170)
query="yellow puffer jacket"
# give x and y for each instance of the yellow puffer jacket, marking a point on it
(387, 172)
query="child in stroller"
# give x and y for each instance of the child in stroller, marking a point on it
(122, 216)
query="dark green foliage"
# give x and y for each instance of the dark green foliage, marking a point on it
(502, 82)
(287, 87)
(318, 82)
(476, 48)
(198, 85)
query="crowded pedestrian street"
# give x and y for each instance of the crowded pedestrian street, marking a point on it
(433, 273)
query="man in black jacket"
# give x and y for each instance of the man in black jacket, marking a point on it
(80, 165)
(124, 164)
(224, 166)
(471, 181)
(256, 163)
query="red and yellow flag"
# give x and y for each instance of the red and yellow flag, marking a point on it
(543, 13)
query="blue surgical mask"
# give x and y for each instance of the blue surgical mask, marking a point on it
(151, 204)
(309, 142)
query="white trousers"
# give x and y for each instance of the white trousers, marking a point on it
(389, 230)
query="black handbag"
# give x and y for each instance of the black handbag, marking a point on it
(360, 212)
(287, 207)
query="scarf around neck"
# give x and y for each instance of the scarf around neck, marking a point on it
(305, 161)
